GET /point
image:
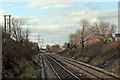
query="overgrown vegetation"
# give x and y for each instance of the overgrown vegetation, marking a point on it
(18, 54)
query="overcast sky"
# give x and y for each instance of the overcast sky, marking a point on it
(56, 19)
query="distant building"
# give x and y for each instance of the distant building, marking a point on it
(94, 39)
(110, 38)
(101, 38)
(117, 37)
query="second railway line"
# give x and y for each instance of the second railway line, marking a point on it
(87, 69)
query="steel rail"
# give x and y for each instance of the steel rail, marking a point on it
(52, 68)
(89, 66)
(63, 69)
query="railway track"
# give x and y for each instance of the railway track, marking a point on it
(49, 70)
(97, 72)
(60, 71)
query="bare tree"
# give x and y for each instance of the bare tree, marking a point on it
(85, 33)
(103, 30)
(26, 34)
(17, 29)
(77, 38)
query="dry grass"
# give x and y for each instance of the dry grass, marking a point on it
(97, 54)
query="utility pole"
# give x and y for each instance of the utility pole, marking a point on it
(7, 24)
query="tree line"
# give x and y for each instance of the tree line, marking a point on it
(102, 30)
